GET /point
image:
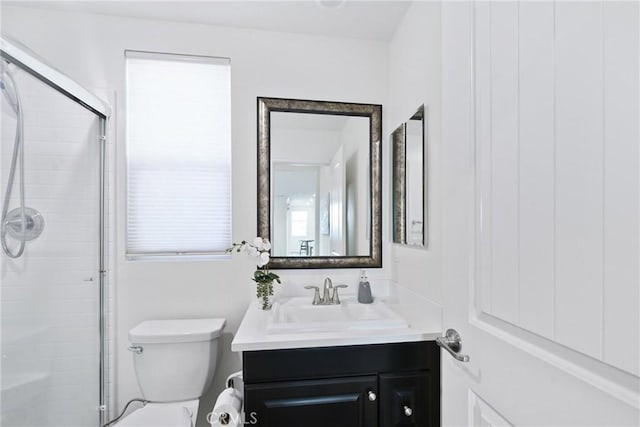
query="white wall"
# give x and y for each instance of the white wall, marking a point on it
(90, 49)
(354, 133)
(336, 204)
(324, 207)
(414, 79)
(311, 146)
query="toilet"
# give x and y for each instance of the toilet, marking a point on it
(174, 362)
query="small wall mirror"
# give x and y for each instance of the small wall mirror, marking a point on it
(319, 183)
(409, 186)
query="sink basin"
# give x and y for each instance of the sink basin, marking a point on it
(298, 315)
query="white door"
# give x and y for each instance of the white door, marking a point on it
(540, 213)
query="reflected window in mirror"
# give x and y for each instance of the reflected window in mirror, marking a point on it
(322, 160)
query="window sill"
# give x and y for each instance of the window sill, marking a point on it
(187, 257)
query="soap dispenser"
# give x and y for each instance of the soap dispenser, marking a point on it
(364, 290)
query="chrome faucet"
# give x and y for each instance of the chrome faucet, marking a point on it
(325, 291)
(328, 297)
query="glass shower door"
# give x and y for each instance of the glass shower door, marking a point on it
(50, 295)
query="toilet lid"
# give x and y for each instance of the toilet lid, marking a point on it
(179, 414)
(176, 330)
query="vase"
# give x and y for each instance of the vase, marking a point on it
(264, 292)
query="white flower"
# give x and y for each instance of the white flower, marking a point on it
(266, 245)
(252, 250)
(264, 259)
(258, 243)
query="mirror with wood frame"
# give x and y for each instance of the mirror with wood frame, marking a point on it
(408, 181)
(319, 183)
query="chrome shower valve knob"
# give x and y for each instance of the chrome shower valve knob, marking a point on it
(33, 224)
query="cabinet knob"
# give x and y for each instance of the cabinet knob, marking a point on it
(372, 396)
(408, 411)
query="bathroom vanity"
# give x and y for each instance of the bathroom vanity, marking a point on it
(382, 385)
(358, 374)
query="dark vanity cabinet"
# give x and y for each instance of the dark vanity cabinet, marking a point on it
(380, 385)
(330, 402)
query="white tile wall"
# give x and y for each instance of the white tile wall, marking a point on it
(50, 299)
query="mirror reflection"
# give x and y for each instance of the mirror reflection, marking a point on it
(409, 186)
(415, 178)
(319, 185)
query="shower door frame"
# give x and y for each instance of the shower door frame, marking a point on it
(27, 61)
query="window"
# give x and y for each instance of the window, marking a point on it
(299, 223)
(178, 154)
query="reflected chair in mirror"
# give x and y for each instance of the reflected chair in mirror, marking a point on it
(306, 247)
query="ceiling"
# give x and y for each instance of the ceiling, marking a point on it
(372, 20)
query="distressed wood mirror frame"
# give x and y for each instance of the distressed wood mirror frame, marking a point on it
(399, 184)
(374, 112)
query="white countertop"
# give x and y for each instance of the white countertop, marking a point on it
(424, 319)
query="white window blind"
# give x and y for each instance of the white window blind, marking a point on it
(178, 154)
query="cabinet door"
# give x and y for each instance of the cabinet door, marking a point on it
(340, 402)
(409, 400)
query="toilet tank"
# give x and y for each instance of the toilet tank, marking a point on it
(175, 359)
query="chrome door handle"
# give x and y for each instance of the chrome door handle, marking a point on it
(453, 344)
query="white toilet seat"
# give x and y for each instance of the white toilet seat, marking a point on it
(174, 414)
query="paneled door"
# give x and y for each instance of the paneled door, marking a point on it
(540, 228)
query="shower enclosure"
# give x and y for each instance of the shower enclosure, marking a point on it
(53, 258)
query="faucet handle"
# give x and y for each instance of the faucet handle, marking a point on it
(335, 299)
(316, 296)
